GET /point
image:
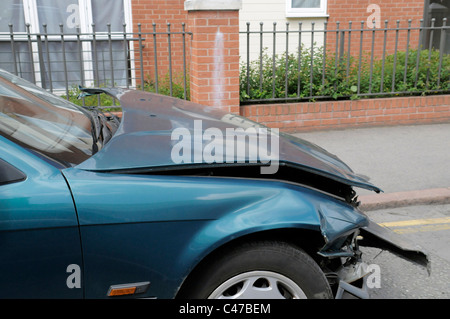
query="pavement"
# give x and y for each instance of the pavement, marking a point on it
(411, 164)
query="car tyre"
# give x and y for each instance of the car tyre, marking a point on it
(260, 270)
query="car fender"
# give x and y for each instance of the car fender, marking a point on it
(182, 219)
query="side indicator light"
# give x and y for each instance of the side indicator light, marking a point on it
(128, 289)
(121, 291)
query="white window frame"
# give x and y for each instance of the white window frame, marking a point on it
(306, 12)
(85, 12)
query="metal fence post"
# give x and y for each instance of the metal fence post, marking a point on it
(13, 48)
(63, 46)
(141, 57)
(395, 56)
(441, 49)
(155, 56)
(30, 48)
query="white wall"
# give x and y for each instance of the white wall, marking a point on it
(268, 12)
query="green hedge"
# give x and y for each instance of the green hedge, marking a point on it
(334, 81)
(107, 101)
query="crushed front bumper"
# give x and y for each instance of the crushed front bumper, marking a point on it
(374, 235)
(356, 271)
(352, 274)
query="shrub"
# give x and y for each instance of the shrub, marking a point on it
(103, 100)
(312, 75)
(107, 102)
(164, 85)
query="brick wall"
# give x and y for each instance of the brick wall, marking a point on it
(214, 68)
(160, 12)
(345, 11)
(296, 117)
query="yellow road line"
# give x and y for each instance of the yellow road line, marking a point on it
(417, 222)
(424, 228)
(419, 225)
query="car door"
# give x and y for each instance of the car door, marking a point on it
(40, 250)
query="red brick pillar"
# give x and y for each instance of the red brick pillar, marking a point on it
(214, 66)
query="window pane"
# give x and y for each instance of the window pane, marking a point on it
(107, 11)
(21, 56)
(53, 13)
(104, 72)
(109, 72)
(57, 61)
(438, 10)
(11, 11)
(305, 3)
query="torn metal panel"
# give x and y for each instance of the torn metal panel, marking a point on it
(377, 236)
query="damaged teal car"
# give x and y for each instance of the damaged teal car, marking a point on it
(153, 205)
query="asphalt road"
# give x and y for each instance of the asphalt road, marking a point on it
(427, 226)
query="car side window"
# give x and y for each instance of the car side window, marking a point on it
(9, 174)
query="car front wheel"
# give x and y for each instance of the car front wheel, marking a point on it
(261, 270)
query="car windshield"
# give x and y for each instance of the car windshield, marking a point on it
(43, 123)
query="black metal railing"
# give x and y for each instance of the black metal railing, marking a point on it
(61, 62)
(344, 62)
(294, 64)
